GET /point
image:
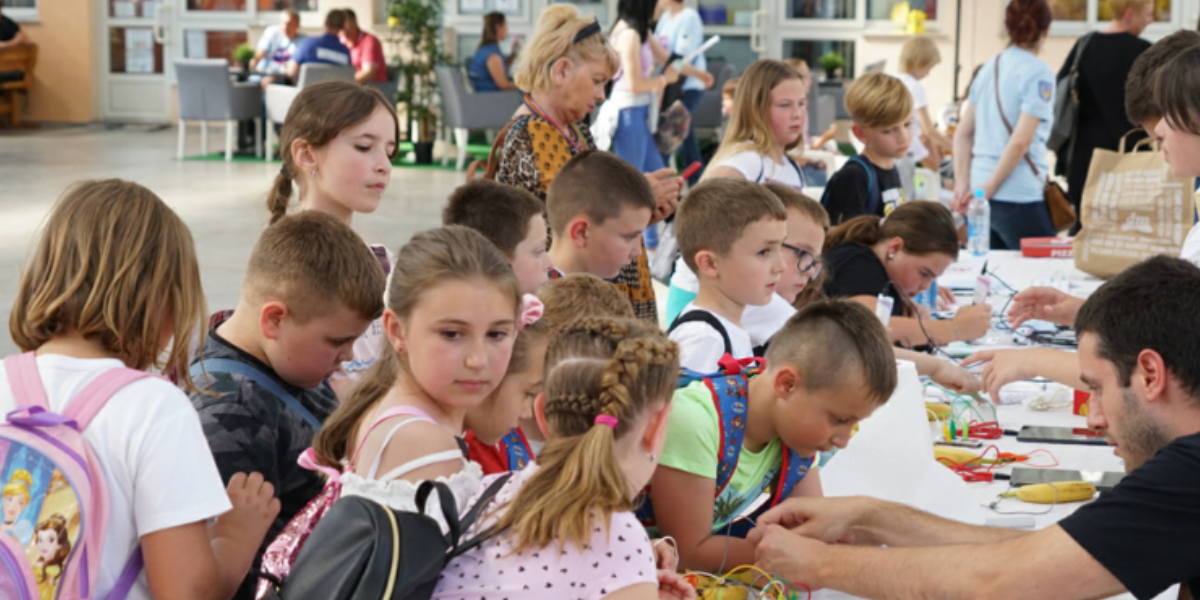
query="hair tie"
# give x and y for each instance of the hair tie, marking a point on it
(531, 311)
(283, 170)
(607, 420)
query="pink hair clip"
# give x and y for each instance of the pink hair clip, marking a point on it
(531, 311)
(606, 420)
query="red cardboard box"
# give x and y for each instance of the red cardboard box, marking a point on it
(1048, 247)
(1081, 403)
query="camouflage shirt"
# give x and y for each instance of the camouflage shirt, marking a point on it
(249, 429)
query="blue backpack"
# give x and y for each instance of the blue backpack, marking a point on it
(730, 393)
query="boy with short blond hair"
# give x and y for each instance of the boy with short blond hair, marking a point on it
(869, 183)
(598, 205)
(511, 218)
(730, 234)
(311, 289)
(733, 438)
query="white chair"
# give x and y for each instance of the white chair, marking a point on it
(208, 93)
(278, 98)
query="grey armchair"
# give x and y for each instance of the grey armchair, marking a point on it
(708, 112)
(207, 93)
(278, 98)
(464, 110)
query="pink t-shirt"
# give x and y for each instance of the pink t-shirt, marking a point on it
(367, 50)
(615, 558)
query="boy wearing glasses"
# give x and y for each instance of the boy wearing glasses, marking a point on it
(731, 234)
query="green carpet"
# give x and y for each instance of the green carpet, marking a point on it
(474, 152)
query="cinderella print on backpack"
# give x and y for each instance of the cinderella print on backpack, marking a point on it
(54, 500)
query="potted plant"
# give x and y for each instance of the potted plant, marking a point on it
(242, 55)
(417, 25)
(831, 62)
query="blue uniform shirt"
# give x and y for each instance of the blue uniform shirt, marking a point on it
(1026, 86)
(326, 49)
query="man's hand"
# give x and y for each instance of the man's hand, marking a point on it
(667, 187)
(1046, 304)
(827, 519)
(790, 556)
(1003, 367)
(955, 378)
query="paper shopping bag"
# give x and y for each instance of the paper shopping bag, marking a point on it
(1132, 209)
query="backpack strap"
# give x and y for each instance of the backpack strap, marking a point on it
(473, 515)
(516, 449)
(703, 316)
(730, 398)
(84, 406)
(874, 196)
(234, 367)
(796, 168)
(25, 380)
(129, 576)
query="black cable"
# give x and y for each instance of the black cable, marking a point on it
(931, 346)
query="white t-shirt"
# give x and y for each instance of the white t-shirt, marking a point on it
(916, 150)
(1191, 246)
(157, 466)
(701, 346)
(763, 322)
(761, 169)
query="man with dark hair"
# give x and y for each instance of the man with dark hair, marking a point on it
(10, 33)
(325, 49)
(1140, 357)
(366, 53)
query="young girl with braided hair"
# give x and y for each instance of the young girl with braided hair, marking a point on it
(567, 522)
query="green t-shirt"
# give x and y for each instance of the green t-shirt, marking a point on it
(693, 440)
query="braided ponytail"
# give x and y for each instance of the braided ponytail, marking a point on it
(595, 368)
(281, 193)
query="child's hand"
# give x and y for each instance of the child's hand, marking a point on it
(254, 508)
(955, 379)
(665, 556)
(972, 322)
(672, 585)
(946, 298)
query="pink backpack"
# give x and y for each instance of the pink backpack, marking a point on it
(55, 501)
(281, 554)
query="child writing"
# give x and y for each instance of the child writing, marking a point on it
(337, 145)
(451, 319)
(567, 524)
(731, 234)
(918, 57)
(113, 282)
(869, 183)
(900, 257)
(828, 368)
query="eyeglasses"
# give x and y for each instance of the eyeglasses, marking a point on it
(806, 261)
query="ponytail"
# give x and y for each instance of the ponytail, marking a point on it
(602, 376)
(333, 441)
(925, 227)
(281, 195)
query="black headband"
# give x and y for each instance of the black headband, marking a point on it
(588, 31)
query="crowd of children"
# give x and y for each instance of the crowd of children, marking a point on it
(475, 350)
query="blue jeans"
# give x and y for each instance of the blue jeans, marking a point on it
(634, 142)
(1012, 221)
(689, 151)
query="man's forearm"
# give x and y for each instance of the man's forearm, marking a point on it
(904, 574)
(894, 524)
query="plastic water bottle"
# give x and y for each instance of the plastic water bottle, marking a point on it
(979, 225)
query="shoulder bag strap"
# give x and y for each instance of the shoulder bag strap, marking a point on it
(492, 164)
(225, 365)
(1007, 124)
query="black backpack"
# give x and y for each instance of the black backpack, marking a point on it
(362, 549)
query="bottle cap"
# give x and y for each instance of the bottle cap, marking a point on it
(978, 193)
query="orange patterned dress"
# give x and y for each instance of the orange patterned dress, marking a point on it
(533, 152)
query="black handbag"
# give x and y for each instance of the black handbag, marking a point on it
(363, 550)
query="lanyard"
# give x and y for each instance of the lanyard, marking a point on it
(529, 101)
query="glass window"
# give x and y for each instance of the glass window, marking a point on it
(732, 12)
(821, 9)
(212, 44)
(882, 9)
(134, 50)
(1069, 10)
(1162, 11)
(734, 50)
(130, 9)
(216, 5)
(812, 51)
(20, 3)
